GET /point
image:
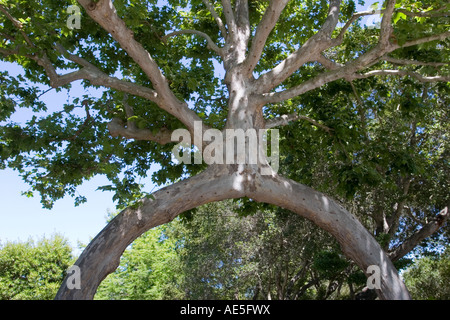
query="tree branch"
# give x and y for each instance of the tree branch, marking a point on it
(427, 14)
(426, 231)
(117, 128)
(7, 36)
(92, 74)
(95, 76)
(355, 240)
(306, 53)
(386, 27)
(311, 84)
(17, 24)
(328, 63)
(349, 70)
(242, 17)
(102, 255)
(210, 43)
(216, 17)
(263, 31)
(229, 17)
(105, 14)
(285, 119)
(332, 19)
(338, 40)
(414, 62)
(129, 112)
(357, 15)
(435, 37)
(399, 73)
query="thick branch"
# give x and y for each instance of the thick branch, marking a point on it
(332, 19)
(386, 27)
(263, 30)
(373, 55)
(338, 40)
(130, 131)
(356, 242)
(357, 15)
(105, 14)
(17, 24)
(426, 231)
(314, 83)
(413, 62)
(349, 70)
(328, 63)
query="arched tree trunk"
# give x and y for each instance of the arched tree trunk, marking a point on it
(217, 183)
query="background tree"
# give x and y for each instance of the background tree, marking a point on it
(33, 270)
(428, 278)
(151, 57)
(270, 254)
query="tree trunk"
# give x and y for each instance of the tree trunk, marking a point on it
(102, 255)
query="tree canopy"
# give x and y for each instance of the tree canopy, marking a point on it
(362, 113)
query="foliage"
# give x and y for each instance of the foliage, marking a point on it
(59, 147)
(33, 270)
(385, 159)
(148, 270)
(429, 277)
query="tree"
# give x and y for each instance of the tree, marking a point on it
(273, 53)
(270, 254)
(33, 271)
(428, 278)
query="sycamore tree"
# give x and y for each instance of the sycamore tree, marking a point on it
(182, 81)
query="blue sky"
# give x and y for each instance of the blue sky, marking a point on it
(22, 217)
